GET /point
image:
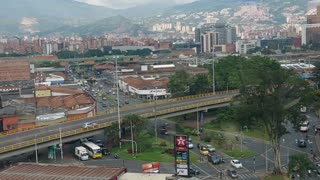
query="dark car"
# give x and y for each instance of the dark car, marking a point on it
(302, 143)
(105, 151)
(232, 173)
(215, 159)
(199, 145)
(90, 139)
(193, 172)
(164, 131)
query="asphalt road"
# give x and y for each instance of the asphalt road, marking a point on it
(54, 129)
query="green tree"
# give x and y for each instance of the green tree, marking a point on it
(299, 163)
(179, 84)
(269, 97)
(227, 73)
(137, 122)
(199, 84)
(112, 132)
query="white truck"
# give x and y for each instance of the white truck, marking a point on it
(81, 153)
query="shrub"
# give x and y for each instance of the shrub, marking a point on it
(145, 146)
(187, 131)
(163, 143)
(170, 151)
(207, 139)
(130, 151)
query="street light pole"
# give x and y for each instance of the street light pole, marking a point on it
(61, 150)
(132, 148)
(213, 85)
(36, 149)
(155, 116)
(197, 121)
(118, 107)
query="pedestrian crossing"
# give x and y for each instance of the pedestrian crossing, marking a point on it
(247, 176)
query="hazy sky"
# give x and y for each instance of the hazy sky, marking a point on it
(122, 4)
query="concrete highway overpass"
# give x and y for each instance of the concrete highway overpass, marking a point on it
(25, 141)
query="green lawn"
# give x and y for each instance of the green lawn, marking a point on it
(232, 128)
(155, 154)
(237, 154)
(273, 177)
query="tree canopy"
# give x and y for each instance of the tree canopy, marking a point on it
(300, 163)
(270, 97)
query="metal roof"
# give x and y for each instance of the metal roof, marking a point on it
(60, 172)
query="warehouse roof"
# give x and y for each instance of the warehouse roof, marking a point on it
(60, 172)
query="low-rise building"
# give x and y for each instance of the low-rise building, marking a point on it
(145, 87)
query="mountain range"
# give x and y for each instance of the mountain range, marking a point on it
(70, 16)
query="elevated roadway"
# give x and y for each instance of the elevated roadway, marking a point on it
(22, 142)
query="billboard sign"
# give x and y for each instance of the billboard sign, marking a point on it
(181, 155)
(43, 93)
(151, 167)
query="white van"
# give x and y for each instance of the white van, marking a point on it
(81, 153)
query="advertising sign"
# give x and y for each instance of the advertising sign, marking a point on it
(43, 93)
(151, 167)
(181, 155)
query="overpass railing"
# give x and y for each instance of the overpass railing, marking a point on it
(129, 108)
(104, 125)
(175, 99)
(52, 137)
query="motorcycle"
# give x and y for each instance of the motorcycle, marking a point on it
(309, 172)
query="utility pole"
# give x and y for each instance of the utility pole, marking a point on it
(197, 121)
(213, 85)
(36, 149)
(132, 148)
(118, 107)
(155, 116)
(266, 156)
(61, 150)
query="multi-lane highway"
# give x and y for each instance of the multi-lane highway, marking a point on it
(21, 137)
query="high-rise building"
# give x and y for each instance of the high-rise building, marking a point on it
(208, 40)
(197, 35)
(227, 34)
(311, 30)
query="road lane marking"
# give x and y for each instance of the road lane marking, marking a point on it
(201, 169)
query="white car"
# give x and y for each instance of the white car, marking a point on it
(210, 148)
(236, 163)
(88, 125)
(190, 145)
(304, 127)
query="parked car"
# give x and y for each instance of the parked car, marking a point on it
(236, 163)
(210, 148)
(90, 139)
(193, 171)
(105, 151)
(302, 143)
(232, 173)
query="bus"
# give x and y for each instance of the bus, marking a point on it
(93, 150)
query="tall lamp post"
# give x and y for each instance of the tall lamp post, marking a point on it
(118, 106)
(213, 85)
(155, 116)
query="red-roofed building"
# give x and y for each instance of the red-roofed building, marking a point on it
(14, 70)
(60, 172)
